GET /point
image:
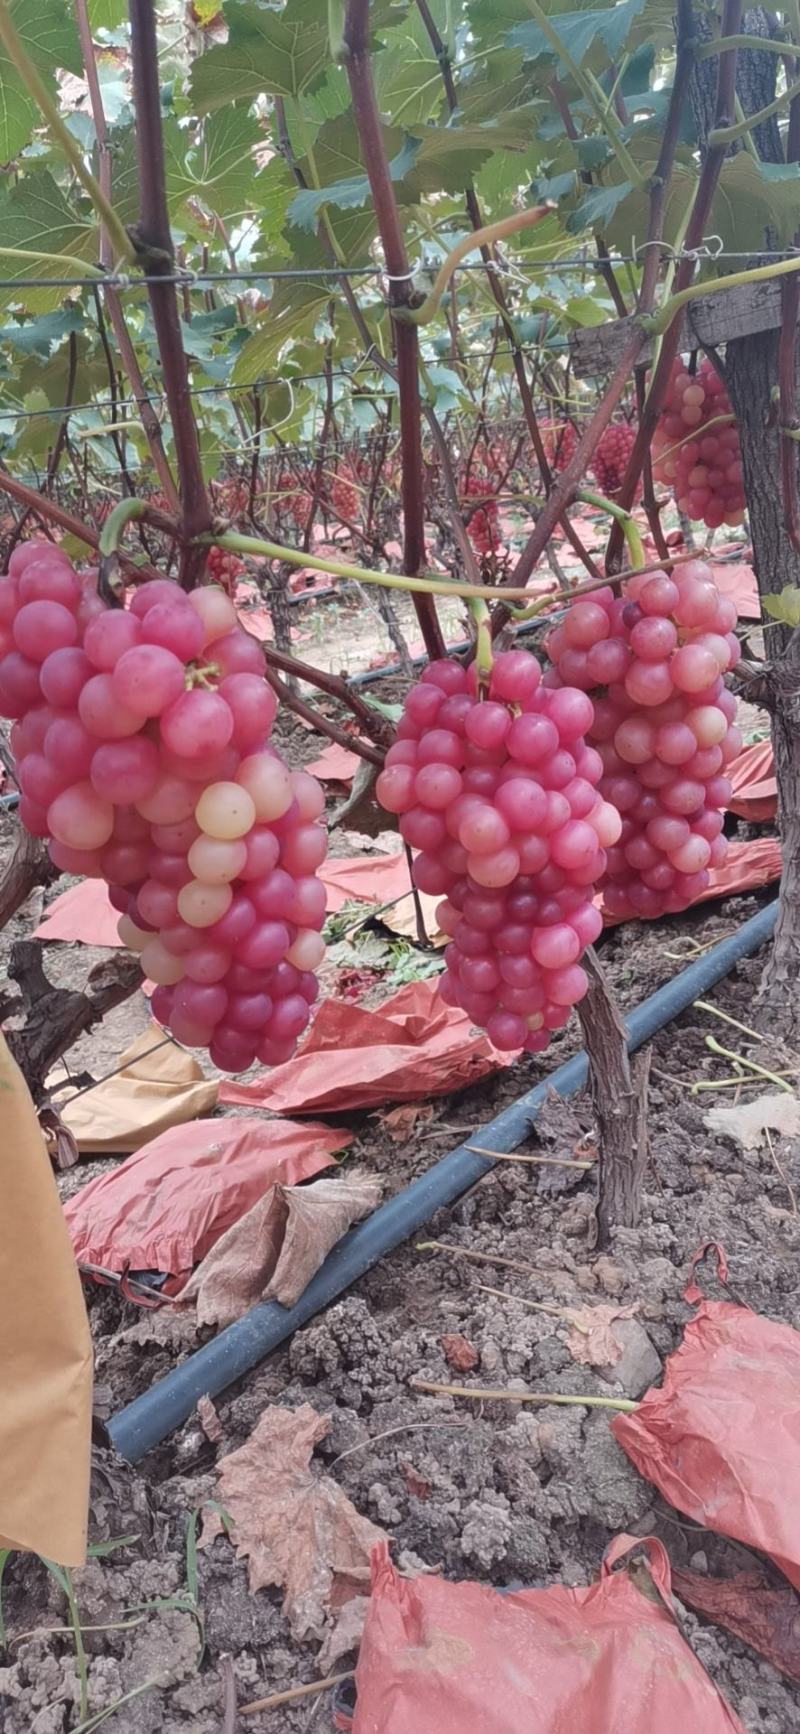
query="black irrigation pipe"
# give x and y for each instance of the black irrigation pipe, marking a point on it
(140, 1426)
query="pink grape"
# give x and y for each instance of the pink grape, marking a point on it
(20, 689)
(81, 818)
(70, 746)
(42, 627)
(215, 611)
(147, 679)
(253, 706)
(158, 590)
(197, 725)
(102, 711)
(49, 580)
(170, 802)
(236, 653)
(63, 675)
(175, 628)
(125, 771)
(107, 637)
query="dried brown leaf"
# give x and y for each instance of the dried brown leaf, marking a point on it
(590, 1338)
(766, 1619)
(345, 1635)
(318, 1216)
(297, 1530)
(747, 1123)
(459, 1352)
(274, 1250)
(232, 1276)
(401, 1122)
(210, 1421)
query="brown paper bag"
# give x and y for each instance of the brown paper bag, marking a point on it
(152, 1092)
(45, 1347)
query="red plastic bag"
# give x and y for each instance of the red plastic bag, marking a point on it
(720, 1438)
(413, 1046)
(458, 1658)
(165, 1207)
(755, 789)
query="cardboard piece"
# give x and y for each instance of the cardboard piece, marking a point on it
(45, 1347)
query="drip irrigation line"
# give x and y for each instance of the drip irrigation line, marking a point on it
(147, 1420)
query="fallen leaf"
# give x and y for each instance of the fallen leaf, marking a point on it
(766, 1619)
(459, 1352)
(748, 1122)
(318, 1217)
(417, 1486)
(401, 1122)
(298, 1531)
(210, 1421)
(273, 1251)
(590, 1338)
(345, 1635)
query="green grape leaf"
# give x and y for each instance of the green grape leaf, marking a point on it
(49, 34)
(580, 31)
(282, 53)
(785, 606)
(220, 171)
(599, 205)
(107, 14)
(38, 336)
(293, 312)
(348, 194)
(34, 215)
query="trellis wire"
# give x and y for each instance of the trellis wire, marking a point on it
(187, 279)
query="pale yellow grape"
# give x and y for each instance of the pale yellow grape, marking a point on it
(201, 905)
(160, 965)
(133, 937)
(215, 610)
(269, 784)
(307, 950)
(215, 861)
(225, 811)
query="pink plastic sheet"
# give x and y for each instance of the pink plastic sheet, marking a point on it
(459, 1658)
(413, 1046)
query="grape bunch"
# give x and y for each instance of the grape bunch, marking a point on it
(560, 441)
(483, 525)
(611, 456)
(345, 498)
(293, 499)
(696, 452)
(663, 728)
(499, 794)
(141, 741)
(224, 569)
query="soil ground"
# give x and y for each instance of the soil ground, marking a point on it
(493, 1492)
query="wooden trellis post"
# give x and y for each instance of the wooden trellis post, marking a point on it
(746, 323)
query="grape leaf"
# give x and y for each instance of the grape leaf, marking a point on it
(347, 194)
(266, 51)
(785, 606)
(581, 31)
(220, 170)
(597, 207)
(38, 336)
(36, 216)
(49, 34)
(293, 310)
